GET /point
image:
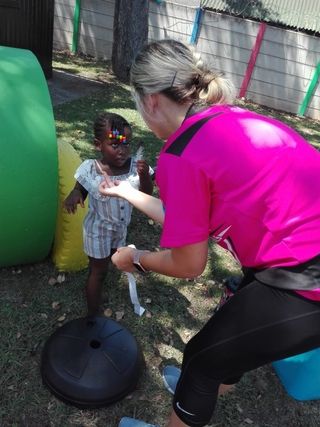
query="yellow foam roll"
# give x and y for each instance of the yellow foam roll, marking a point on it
(67, 252)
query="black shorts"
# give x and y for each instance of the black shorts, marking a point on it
(258, 325)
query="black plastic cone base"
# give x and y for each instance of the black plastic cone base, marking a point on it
(91, 362)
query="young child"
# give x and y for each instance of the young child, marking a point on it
(105, 225)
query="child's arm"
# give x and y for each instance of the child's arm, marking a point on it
(146, 184)
(77, 196)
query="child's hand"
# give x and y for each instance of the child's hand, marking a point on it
(75, 198)
(142, 168)
(146, 185)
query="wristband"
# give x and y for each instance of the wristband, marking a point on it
(136, 261)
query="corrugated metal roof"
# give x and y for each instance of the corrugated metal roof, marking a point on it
(299, 14)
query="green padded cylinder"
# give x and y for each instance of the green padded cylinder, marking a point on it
(28, 160)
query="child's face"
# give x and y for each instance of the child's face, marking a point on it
(115, 149)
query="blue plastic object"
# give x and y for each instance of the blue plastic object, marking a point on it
(300, 375)
(170, 376)
(132, 422)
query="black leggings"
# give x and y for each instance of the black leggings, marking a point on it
(258, 325)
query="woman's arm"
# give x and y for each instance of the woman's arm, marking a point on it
(149, 205)
(184, 262)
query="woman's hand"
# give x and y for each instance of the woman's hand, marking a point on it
(123, 259)
(115, 188)
(147, 204)
(184, 262)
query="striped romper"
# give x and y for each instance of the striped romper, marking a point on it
(105, 225)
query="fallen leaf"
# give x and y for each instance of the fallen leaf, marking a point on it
(43, 316)
(51, 404)
(198, 285)
(239, 408)
(55, 305)
(148, 300)
(150, 222)
(19, 335)
(52, 281)
(61, 278)
(119, 315)
(248, 421)
(62, 318)
(148, 315)
(108, 312)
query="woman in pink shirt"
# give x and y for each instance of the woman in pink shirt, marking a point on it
(251, 184)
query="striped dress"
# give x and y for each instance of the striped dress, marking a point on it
(105, 225)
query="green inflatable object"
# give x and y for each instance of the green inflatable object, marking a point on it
(28, 162)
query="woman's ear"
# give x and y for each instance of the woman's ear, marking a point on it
(151, 102)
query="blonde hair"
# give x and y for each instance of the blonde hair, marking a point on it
(173, 68)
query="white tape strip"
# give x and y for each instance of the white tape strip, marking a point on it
(133, 292)
(134, 295)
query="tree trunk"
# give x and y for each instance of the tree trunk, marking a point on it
(130, 33)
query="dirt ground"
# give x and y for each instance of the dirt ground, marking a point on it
(65, 87)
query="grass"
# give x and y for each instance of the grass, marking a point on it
(32, 308)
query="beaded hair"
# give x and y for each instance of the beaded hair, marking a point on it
(110, 125)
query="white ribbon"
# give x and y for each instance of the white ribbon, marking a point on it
(138, 309)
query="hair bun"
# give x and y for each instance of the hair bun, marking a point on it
(197, 79)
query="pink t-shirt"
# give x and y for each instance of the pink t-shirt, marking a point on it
(249, 182)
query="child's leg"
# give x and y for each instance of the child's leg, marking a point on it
(98, 269)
